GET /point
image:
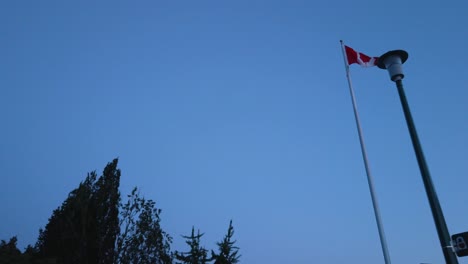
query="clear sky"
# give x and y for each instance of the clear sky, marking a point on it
(238, 110)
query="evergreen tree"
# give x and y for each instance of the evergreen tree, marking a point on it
(141, 239)
(106, 198)
(197, 253)
(85, 227)
(93, 226)
(9, 253)
(70, 235)
(228, 253)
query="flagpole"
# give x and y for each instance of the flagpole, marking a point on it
(370, 179)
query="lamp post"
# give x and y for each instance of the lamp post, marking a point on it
(393, 62)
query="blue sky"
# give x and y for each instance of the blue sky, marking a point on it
(238, 110)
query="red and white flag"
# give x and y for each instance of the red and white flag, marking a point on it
(362, 59)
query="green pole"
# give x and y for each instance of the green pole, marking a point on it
(439, 220)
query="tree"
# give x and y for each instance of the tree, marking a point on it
(141, 239)
(106, 199)
(85, 227)
(93, 226)
(228, 253)
(197, 253)
(70, 235)
(9, 253)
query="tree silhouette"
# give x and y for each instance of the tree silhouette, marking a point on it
(141, 239)
(106, 198)
(197, 253)
(93, 226)
(9, 253)
(85, 227)
(228, 253)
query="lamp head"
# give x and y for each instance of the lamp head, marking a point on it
(393, 62)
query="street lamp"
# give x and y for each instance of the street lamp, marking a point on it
(393, 62)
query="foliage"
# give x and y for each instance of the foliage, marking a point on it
(93, 226)
(9, 253)
(141, 239)
(84, 228)
(106, 199)
(228, 253)
(197, 253)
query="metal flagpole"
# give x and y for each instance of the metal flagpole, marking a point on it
(370, 179)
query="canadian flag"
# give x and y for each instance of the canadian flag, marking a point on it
(360, 58)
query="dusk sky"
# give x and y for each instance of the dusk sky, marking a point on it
(239, 110)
